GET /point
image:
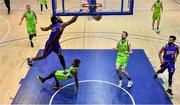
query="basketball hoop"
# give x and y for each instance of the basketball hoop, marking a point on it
(85, 5)
(98, 6)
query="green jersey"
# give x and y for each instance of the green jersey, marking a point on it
(72, 69)
(60, 73)
(157, 7)
(30, 18)
(122, 58)
(43, 1)
(122, 48)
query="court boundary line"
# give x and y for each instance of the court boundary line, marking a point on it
(98, 81)
(9, 28)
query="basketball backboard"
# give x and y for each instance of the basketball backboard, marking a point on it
(92, 7)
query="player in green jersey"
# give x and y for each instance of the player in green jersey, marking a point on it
(123, 49)
(59, 75)
(43, 2)
(157, 10)
(31, 21)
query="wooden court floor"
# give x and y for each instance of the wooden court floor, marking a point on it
(83, 34)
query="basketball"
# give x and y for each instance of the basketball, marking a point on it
(97, 18)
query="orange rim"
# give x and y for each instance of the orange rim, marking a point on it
(87, 5)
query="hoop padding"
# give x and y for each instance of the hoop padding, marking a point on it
(87, 5)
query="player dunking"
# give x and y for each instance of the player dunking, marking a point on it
(57, 27)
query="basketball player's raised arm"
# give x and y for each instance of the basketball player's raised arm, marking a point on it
(24, 15)
(160, 54)
(177, 53)
(69, 22)
(46, 28)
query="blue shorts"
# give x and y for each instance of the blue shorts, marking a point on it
(55, 48)
(168, 65)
